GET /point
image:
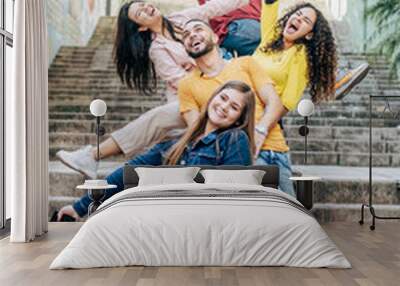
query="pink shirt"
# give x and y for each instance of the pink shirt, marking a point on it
(170, 59)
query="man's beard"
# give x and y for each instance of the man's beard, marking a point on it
(208, 48)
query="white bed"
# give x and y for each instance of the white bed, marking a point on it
(201, 225)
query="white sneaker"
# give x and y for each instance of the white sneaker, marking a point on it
(80, 160)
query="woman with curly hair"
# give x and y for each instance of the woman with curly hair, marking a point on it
(297, 51)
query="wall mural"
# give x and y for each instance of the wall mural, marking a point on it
(123, 93)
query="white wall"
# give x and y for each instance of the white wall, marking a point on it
(72, 22)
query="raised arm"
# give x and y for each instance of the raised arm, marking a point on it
(269, 17)
(209, 10)
(296, 82)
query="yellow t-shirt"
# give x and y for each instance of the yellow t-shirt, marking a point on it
(195, 89)
(288, 69)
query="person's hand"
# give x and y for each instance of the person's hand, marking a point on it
(68, 210)
(188, 67)
(259, 139)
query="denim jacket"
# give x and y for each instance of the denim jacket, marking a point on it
(230, 147)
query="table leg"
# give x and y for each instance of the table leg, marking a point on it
(304, 193)
(97, 197)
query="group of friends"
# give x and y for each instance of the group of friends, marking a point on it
(232, 70)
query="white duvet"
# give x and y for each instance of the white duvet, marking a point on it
(268, 228)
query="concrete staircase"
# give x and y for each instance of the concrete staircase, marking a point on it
(338, 136)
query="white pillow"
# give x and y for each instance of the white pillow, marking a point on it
(166, 176)
(248, 177)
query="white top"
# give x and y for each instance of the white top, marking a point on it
(305, 178)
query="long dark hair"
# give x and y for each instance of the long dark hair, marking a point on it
(245, 121)
(131, 51)
(320, 49)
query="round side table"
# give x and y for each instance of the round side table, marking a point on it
(304, 190)
(96, 194)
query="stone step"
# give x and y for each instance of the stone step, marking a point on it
(296, 144)
(346, 106)
(324, 213)
(316, 132)
(57, 147)
(287, 121)
(352, 213)
(351, 184)
(338, 185)
(346, 133)
(95, 90)
(346, 158)
(126, 117)
(121, 93)
(136, 98)
(113, 82)
(79, 72)
(123, 107)
(351, 109)
(133, 99)
(112, 100)
(344, 146)
(63, 180)
(338, 196)
(55, 203)
(320, 158)
(340, 121)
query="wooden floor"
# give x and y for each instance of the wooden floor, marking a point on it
(375, 257)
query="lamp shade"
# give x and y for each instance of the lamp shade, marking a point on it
(305, 107)
(98, 107)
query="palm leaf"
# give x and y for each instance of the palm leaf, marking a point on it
(386, 38)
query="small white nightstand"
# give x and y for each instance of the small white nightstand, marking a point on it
(304, 190)
(96, 194)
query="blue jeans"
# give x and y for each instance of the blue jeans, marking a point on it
(243, 36)
(285, 171)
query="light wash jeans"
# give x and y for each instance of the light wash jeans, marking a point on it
(243, 37)
(285, 171)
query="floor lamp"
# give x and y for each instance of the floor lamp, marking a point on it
(305, 109)
(304, 184)
(96, 188)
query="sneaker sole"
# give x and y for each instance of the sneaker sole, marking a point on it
(72, 167)
(356, 79)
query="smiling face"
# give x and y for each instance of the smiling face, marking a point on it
(300, 24)
(198, 39)
(144, 14)
(225, 108)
